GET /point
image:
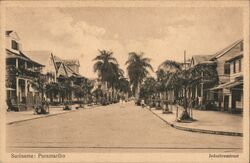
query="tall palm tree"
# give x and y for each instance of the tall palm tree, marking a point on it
(105, 65)
(137, 67)
(107, 68)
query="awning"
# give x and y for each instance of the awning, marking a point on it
(236, 83)
(221, 86)
(227, 85)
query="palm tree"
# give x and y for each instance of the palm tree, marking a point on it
(182, 79)
(148, 88)
(178, 79)
(137, 67)
(107, 67)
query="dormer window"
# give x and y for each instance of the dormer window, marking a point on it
(14, 45)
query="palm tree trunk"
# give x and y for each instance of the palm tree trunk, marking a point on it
(137, 91)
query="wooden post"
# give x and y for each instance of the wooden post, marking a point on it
(16, 62)
(177, 113)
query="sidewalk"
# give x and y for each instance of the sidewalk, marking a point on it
(212, 122)
(15, 117)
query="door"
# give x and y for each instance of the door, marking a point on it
(226, 102)
(235, 95)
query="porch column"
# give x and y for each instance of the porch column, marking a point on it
(201, 90)
(25, 64)
(196, 90)
(26, 88)
(16, 62)
(17, 89)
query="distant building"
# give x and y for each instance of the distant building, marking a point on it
(73, 64)
(45, 58)
(59, 70)
(20, 73)
(199, 92)
(199, 59)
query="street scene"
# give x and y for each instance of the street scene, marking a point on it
(124, 80)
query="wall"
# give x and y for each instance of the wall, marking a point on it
(237, 73)
(223, 78)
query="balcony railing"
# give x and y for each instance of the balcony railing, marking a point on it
(21, 71)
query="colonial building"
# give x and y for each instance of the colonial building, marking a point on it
(46, 59)
(200, 91)
(67, 71)
(21, 71)
(73, 64)
(58, 70)
(228, 94)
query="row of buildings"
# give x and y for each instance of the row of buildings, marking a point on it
(24, 67)
(227, 93)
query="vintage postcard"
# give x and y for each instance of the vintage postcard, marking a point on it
(124, 81)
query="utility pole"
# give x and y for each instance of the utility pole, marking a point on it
(185, 59)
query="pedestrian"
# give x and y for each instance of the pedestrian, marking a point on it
(142, 103)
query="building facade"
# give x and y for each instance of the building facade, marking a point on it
(21, 72)
(229, 68)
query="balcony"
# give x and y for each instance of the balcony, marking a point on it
(21, 71)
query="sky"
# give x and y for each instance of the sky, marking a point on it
(159, 32)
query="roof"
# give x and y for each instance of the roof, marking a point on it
(21, 55)
(14, 34)
(235, 57)
(39, 56)
(8, 32)
(225, 50)
(64, 68)
(71, 62)
(227, 85)
(201, 58)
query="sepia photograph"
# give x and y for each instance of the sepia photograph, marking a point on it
(125, 77)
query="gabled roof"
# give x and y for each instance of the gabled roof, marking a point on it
(57, 59)
(8, 32)
(200, 58)
(72, 62)
(15, 35)
(39, 56)
(225, 50)
(63, 68)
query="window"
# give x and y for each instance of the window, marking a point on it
(234, 68)
(240, 65)
(14, 45)
(227, 68)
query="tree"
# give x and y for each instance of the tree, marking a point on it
(182, 79)
(148, 87)
(52, 89)
(106, 65)
(83, 90)
(137, 67)
(39, 83)
(107, 68)
(65, 88)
